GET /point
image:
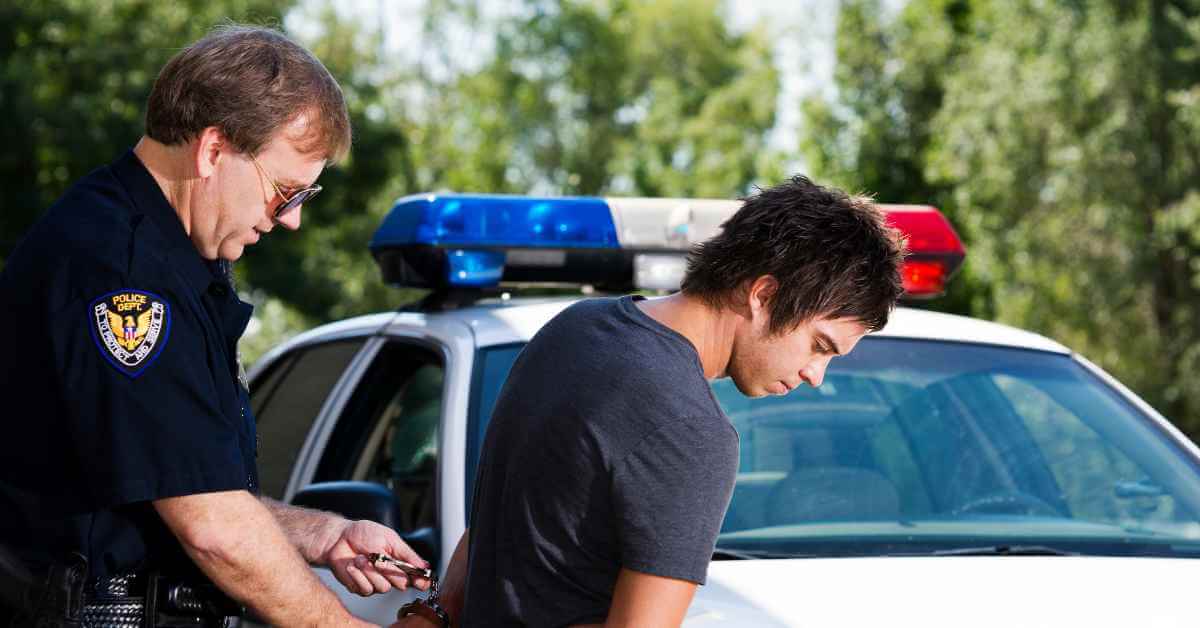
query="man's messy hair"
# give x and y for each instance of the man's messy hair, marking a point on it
(833, 255)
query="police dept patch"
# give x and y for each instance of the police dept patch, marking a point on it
(130, 327)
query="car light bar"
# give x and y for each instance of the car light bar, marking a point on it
(934, 250)
(481, 241)
(498, 221)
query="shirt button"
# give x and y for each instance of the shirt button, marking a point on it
(218, 289)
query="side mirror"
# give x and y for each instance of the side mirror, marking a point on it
(367, 500)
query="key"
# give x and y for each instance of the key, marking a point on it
(409, 569)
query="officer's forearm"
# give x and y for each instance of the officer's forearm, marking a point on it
(237, 543)
(311, 532)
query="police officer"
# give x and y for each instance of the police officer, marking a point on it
(128, 446)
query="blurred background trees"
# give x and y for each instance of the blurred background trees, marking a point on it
(1062, 138)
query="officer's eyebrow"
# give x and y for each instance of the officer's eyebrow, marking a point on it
(828, 342)
(292, 184)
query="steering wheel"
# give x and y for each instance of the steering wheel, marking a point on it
(1007, 502)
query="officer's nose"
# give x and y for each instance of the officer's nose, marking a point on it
(291, 219)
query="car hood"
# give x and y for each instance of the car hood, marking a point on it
(950, 591)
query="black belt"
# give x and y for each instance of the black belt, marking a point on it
(148, 600)
(64, 596)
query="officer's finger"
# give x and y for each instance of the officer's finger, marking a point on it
(399, 578)
(393, 574)
(343, 576)
(362, 586)
(399, 549)
(379, 584)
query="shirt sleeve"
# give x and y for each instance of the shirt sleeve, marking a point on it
(671, 493)
(148, 428)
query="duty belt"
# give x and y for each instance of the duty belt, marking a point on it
(64, 597)
(147, 600)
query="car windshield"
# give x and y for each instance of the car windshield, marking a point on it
(930, 447)
(922, 447)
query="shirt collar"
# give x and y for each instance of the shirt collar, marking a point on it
(148, 199)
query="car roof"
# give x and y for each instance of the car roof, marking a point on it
(517, 321)
(507, 321)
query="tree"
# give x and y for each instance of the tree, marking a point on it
(74, 78)
(655, 98)
(579, 97)
(1088, 173)
(1073, 176)
(324, 271)
(876, 135)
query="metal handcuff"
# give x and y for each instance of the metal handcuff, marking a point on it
(429, 607)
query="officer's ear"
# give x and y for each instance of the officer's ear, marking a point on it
(210, 146)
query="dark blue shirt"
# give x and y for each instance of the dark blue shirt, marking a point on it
(606, 450)
(120, 378)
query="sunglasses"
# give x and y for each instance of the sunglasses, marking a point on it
(297, 198)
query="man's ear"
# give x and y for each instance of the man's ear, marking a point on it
(759, 295)
(210, 147)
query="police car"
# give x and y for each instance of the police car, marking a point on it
(948, 472)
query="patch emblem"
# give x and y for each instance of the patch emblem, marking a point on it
(131, 328)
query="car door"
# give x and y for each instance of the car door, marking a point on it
(387, 432)
(287, 397)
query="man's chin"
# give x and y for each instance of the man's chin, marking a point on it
(750, 390)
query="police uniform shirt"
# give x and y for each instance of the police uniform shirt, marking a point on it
(120, 377)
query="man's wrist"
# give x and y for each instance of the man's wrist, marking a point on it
(430, 612)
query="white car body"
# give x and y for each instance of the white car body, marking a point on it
(867, 591)
(949, 592)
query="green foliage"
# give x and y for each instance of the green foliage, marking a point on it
(875, 137)
(655, 98)
(74, 77)
(579, 97)
(1063, 140)
(323, 271)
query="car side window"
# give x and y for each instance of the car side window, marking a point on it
(489, 373)
(286, 400)
(388, 432)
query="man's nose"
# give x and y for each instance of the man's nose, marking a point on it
(814, 372)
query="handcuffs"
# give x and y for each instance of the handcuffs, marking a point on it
(429, 607)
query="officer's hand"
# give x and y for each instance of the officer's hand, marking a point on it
(348, 561)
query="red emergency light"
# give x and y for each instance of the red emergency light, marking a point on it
(934, 250)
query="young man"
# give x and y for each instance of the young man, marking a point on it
(608, 465)
(140, 456)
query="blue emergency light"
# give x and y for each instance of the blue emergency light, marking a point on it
(500, 221)
(474, 241)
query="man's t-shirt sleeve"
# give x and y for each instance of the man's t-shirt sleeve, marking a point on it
(671, 493)
(143, 417)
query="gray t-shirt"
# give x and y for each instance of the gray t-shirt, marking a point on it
(606, 449)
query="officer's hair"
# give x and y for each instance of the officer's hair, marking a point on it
(248, 82)
(832, 254)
